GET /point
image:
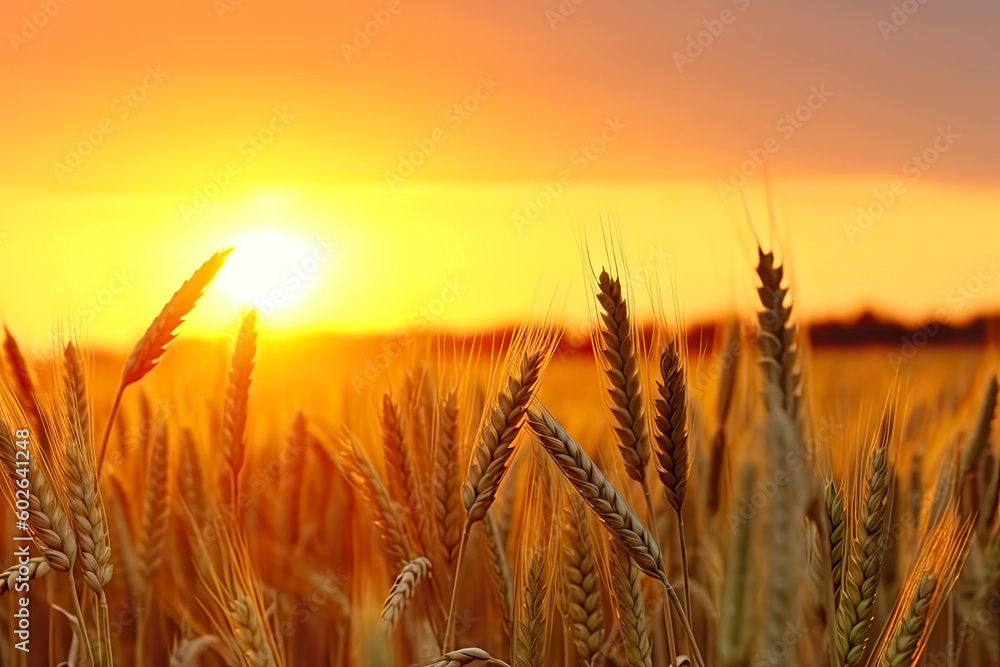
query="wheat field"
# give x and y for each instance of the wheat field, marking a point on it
(651, 496)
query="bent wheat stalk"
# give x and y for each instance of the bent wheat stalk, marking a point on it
(610, 507)
(153, 344)
(494, 449)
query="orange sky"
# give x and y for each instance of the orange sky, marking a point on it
(310, 130)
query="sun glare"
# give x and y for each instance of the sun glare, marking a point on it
(270, 270)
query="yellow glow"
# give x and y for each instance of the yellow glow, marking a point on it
(269, 270)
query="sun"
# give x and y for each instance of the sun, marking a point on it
(271, 269)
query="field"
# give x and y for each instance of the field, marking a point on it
(645, 497)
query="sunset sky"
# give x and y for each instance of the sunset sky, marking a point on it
(448, 166)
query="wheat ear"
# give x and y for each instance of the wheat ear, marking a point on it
(402, 479)
(447, 496)
(405, 586)
(584, 604)
(864, 561)
(467, 656)
(670, 439)
(248, 631)
(50, 528)
(620, 361)
(906, 638)
(235, 411)
(493, 452)
(154, 341)
(779, 352)
(75, 392)
(361, 474)
(499, 569)
(837, 527)
(25, 390)
(36, 568)
(626, 585)
(530, 650)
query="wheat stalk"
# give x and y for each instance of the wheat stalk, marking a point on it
(402, 590)
(735, 624)
(154, 341)
(188, 650)
(786, 552)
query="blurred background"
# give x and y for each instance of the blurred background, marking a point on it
(389, 164)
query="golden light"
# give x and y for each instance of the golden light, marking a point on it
(271, 269)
